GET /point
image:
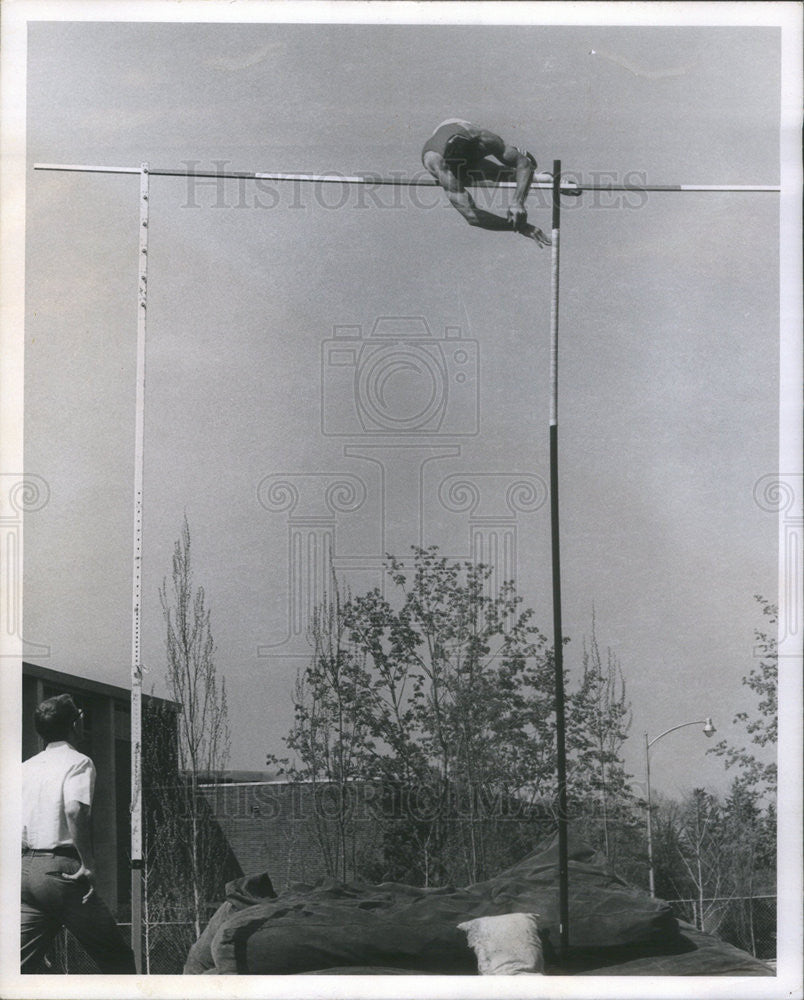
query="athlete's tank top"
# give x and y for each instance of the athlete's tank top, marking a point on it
(463, 149)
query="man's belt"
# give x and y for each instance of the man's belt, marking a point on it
(63, 851)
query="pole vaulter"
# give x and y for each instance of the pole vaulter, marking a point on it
(516, 221)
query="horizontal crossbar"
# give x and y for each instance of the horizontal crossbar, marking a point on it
(379, 179)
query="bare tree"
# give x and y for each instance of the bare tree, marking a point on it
(598, 722)
(691, 858)
(203, 730)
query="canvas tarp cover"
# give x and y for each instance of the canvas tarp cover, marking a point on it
(614, 929)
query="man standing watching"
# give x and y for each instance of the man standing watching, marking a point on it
(457, 152)
(58, 863)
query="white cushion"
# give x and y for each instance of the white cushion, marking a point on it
(507, 945)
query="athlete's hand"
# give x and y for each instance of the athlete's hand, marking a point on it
(518, 217)
(534, 233)
(88, 876)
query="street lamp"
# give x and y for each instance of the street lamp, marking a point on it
(708, 729)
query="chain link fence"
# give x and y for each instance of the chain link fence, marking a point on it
(747, 922)
(165, 947)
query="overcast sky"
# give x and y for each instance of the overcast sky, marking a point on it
(669, 344)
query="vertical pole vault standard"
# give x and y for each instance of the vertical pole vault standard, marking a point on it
(136, 608)
(558, 635)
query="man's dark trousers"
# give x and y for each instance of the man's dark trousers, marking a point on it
(48, 904)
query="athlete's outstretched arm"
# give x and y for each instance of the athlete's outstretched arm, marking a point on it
(523, 165)
(461, 199)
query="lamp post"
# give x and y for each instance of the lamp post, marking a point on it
(708, 730)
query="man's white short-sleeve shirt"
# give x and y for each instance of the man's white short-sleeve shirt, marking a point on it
(51, 779)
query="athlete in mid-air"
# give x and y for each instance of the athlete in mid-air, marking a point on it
(458, 151)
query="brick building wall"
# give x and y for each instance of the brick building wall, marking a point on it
(287, 828)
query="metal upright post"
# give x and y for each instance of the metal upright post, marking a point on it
(651, 877)
(136, 609)
(558, 636)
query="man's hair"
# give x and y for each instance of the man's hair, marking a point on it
(54, 718)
